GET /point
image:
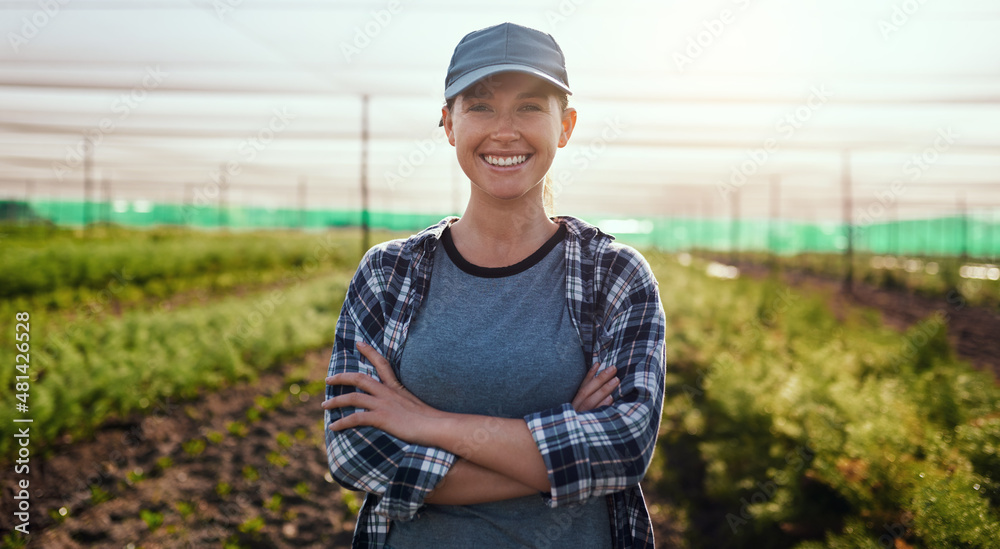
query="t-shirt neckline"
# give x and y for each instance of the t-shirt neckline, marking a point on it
(499, 272)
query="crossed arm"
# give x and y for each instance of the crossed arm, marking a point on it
(499, 458)
(589, 447)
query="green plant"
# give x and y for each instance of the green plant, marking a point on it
(194, 447)
(215, 437)
(99, 495)
(273, 503)
(164, 462)
(350, 501)
(135, 475)
(185, 508)
(59, 515)
(277, 459)
(250, 473)
(15, 540)
(284, 440)
(252, 525)
(237, 429)
(153, 519)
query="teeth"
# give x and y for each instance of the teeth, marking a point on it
(505, 160)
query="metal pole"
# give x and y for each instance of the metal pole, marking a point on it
(87, 164)
(188, 204)
(989, 234)
(964, 218)
(302, 202)
(775, 214)
(706, 213)
(734, 227)
(222, 203)
(28, 192)
(364, 174)
(106, 207)
(848, 228)
(894, 227)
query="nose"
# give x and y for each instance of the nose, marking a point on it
(505, 129)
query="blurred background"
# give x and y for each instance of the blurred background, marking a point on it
(693, 117)
(815, 185)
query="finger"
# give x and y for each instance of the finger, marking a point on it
(356, 419)
(363, 382)
(586, 389)
(382, 367)
(355, 399)
(607, 389)
(597, 395)
(593, 383)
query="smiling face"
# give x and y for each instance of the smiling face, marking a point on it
(506, 131)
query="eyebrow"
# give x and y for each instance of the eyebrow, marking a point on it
(538, 92)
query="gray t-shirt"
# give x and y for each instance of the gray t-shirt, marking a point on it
(498, 342)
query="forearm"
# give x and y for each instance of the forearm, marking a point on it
(467, 483)
(501, 445)
(505, 446)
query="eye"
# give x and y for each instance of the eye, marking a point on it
(531, 107)
(479, 107)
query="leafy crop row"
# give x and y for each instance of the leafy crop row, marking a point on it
(85, 372)
(154, 262)
(784, 426)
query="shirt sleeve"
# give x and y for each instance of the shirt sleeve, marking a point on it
(608, 449)
(366, 458)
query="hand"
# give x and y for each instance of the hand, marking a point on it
(596, 389)
(387, 405)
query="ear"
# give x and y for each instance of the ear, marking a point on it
(568, 123)
(446, 121)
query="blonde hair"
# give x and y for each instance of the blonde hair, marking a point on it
(548, 196)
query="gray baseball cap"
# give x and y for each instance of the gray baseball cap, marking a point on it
(501, 48)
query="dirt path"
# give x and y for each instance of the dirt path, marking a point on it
(199, 474)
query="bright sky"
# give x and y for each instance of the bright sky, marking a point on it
(680, 102)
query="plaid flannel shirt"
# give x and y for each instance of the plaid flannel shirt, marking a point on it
(614, 303)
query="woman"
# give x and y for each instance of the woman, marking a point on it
(513, 398)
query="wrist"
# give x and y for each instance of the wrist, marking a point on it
(434, 427)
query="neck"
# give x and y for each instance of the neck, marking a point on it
(497, 233)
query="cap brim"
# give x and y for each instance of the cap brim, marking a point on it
(470, 78)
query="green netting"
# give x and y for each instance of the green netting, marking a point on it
(975, 236)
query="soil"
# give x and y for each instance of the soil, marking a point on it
(136, 484)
